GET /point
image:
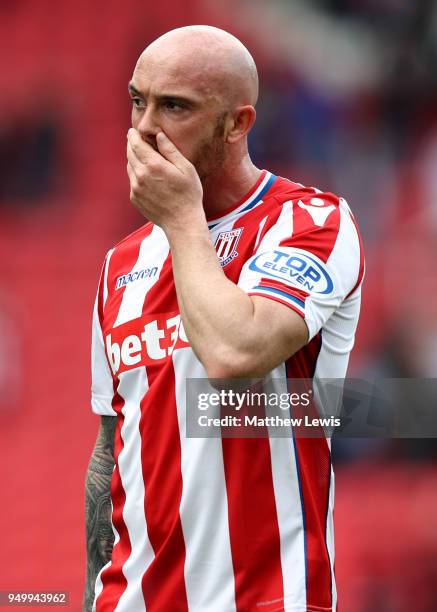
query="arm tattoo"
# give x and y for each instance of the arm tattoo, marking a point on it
(99, 534)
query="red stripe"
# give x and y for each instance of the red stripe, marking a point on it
(307, 236)
(113, 580)
(277, 298)
(272, 208)
(300, 294)
(314, 465)
(122, 261)
(161, 296)
(163, 583)
(253, 522)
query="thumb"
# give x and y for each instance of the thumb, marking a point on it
(170, 151)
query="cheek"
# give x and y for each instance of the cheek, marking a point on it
(186, 139)
(190, 138)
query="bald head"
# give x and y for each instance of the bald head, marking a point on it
(212, 59)
(199, 86)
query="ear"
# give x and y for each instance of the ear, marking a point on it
(240, 123)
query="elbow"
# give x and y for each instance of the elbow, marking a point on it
(231, 364)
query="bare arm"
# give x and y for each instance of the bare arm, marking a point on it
(99, 535)
(250, 335)
(232, 333)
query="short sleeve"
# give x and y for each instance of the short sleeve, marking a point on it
(310, 259)
(101, 377)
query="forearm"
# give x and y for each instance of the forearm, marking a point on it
(215, 312)
(232, 334)
(99, 534)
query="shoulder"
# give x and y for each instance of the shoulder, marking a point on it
(285, 190)
(312, 210)
(124, 253)
(311, 234)
(128, 247)
(312, 222)
(134, 237)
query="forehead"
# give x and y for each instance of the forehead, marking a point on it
(176, 73)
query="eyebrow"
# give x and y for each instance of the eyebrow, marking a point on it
(134, 90)
(163, 97)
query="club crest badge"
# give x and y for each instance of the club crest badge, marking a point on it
(226, 245)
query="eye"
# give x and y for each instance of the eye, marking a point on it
(173, 105)
(138, 102)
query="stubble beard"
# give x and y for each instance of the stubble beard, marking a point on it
(211, 154)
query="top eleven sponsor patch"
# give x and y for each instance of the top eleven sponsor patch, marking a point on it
(294, 267)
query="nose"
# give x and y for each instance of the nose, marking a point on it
(147, 126)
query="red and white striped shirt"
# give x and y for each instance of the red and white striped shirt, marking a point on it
(222, 525)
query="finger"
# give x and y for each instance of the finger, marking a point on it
(133, 187)
(143, 150)
(169, 150)
(131, 173)
(136, 164)
(132, 180)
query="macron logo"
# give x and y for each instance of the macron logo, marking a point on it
(318, 211)
(122, 281)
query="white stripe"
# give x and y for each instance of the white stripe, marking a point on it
(105, 277)
(288, 505)
(330, 538)
(228, 247)
(260, 229)
(209, 574)
(282, 229)
(336, 315)
(345, 256)
(132, 388)
(102, 390)
(221, 247)
(337, 341)
(153, 252)
(247, 202)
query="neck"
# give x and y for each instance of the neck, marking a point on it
(229, 185)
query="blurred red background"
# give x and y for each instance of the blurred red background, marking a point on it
(348, 104)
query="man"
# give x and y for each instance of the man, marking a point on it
(212, 525)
